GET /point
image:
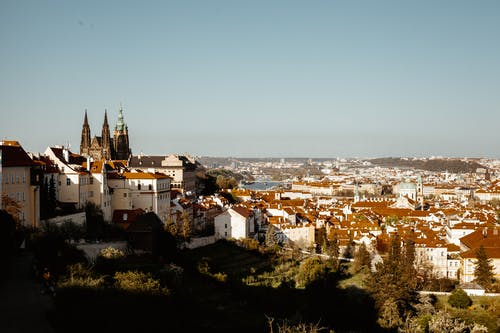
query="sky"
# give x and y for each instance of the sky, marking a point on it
(255, 78)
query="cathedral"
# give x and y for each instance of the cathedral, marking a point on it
(105, 147)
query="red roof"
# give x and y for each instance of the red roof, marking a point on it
(14, 156)
(242, 211)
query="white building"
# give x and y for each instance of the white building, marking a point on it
(235, 222)
(149, 191)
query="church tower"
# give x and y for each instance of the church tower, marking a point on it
(107, 147)
(121, 143)
(85, 141)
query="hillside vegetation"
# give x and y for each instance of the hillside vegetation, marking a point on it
(435, 165)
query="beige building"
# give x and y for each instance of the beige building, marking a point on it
(489, 238)
(16, 184)
(145, 190)
(181, 168)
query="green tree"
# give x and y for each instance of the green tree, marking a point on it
(409, 270)
(362, 258)
(389, 317)
(44, 198)
(388, 281)
(270, 236)
(483, 272)
(333, 247)
(51, 198)
(349, 249)
(311, 270)
(171, 227)
(459, 299)
(186, 226)
(94, 220)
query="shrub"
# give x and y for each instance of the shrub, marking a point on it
(459, 299)
(111, 253)
(80, 275)
(311, 270)
(138, 282)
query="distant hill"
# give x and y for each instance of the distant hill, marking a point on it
(454, 165)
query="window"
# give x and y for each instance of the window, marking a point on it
(124, 195)
(91, 180)
(225, 233)
(68, 181)
(139, 186)
(150, 187)
(24, 198)
(225, 226)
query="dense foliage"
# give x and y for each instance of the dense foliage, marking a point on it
(459, 299)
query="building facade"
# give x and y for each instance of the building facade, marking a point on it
(16, 184)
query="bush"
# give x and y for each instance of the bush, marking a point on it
(138, 283)
(311, 270)
(459, 299)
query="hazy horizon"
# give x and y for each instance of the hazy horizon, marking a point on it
(259, 78)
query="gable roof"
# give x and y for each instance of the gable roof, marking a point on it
(242, 211)
(13, 155)
(489, 237)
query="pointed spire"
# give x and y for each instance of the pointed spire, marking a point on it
(85, 120)
(120, 125)
(105, 117)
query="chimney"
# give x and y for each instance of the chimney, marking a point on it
(66, 154)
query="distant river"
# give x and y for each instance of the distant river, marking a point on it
(261, 185)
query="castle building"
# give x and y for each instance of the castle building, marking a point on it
(105, 147)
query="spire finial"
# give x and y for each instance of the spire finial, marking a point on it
(85, 120)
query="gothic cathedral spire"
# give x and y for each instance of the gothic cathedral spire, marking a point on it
(106, 139)
(121, 142)
(85, 141)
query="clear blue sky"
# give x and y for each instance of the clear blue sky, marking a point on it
(256, 78)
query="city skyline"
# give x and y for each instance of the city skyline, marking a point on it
(257, 79)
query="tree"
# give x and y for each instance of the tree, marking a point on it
(185, 226)
(51, 199)
(362, 258)
(94, 220)
(483, 271)
(270, 236)
(409, 271)
(44, 197)
(389, 315)
(311, 270)
(459, 299)
(171, 227)
(349, 249)
(388, 281)
(12, 207)
(7, 234)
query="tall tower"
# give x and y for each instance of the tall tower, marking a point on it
(85, 141)
(420, 192)
(122, 149)
(107, 146)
